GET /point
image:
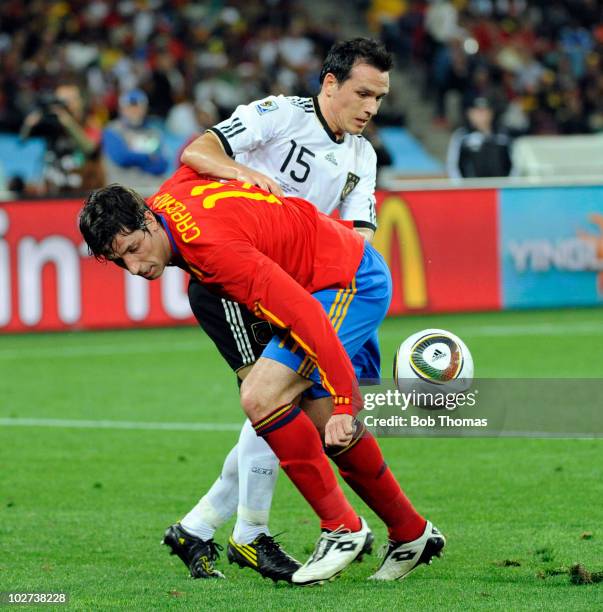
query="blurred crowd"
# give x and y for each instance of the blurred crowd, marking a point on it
(539, 63)
(189, 65)
(104, 81)
(178, 52)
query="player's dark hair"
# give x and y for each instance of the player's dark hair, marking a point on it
(107, 212)
(344, 54)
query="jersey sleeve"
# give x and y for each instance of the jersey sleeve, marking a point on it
(251, 125)
(247, 276)
(359, 205)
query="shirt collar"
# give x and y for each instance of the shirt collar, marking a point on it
(325, 125)
(170, 237)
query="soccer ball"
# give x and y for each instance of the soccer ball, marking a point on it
(433, 363)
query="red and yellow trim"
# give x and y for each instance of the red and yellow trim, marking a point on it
(195, 271)
(271, 417)
(337, 314)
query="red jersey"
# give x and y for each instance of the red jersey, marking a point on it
(269, 254)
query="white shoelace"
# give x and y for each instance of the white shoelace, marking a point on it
(325, 537)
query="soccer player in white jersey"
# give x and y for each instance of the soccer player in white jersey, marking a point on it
(310, 148)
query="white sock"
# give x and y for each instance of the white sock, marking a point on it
(258, 470)
(218, 504)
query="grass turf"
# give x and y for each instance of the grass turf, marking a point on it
(82, 510)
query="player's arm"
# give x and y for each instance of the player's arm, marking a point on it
(249, 127)
(206, 155)
(249, 277)
(366, 232)
(359, 205)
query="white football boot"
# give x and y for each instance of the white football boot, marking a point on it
(401, 558)
(334, 551)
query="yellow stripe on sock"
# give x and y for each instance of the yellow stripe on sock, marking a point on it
(272, 417)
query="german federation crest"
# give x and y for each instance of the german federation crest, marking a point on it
(350, 185)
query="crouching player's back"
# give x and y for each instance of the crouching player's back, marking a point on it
(207, 219)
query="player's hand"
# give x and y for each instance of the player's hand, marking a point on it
(339, 430)
(247, 175)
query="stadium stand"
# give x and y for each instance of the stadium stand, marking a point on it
(539, 63)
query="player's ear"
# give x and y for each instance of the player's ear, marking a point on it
(330, 83)
(151, 220)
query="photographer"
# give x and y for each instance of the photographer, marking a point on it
(72, 159)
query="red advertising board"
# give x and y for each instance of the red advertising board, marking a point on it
(442, 249)
(48, 281)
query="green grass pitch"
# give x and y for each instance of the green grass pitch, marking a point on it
(82, 511)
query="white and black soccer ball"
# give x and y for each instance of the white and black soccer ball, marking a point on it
(433, 361)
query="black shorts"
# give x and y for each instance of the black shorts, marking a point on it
(239, 336)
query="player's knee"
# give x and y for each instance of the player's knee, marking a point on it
(251, 401)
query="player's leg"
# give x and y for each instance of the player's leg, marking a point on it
(268, 397)
(237, 333)
(224, 323)
(251, 545)
(240, 338)
(249, 495)
(218, 504)
(258, 471)
(411, 539)
(362, 466)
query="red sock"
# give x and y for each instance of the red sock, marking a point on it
(362, 466)
(291, 435)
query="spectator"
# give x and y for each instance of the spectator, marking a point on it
(166, 84)
(295, 48)
(72, 159)
(538, 60)
(441, 21)
(132, 144)
(188, 119)
(478, 149)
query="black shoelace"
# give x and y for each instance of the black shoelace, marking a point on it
(210, 549)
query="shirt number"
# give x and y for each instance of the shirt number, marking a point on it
(299, 160)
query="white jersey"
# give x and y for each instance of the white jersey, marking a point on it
(288, 139)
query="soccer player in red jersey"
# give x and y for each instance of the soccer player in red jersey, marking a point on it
(326, 290)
